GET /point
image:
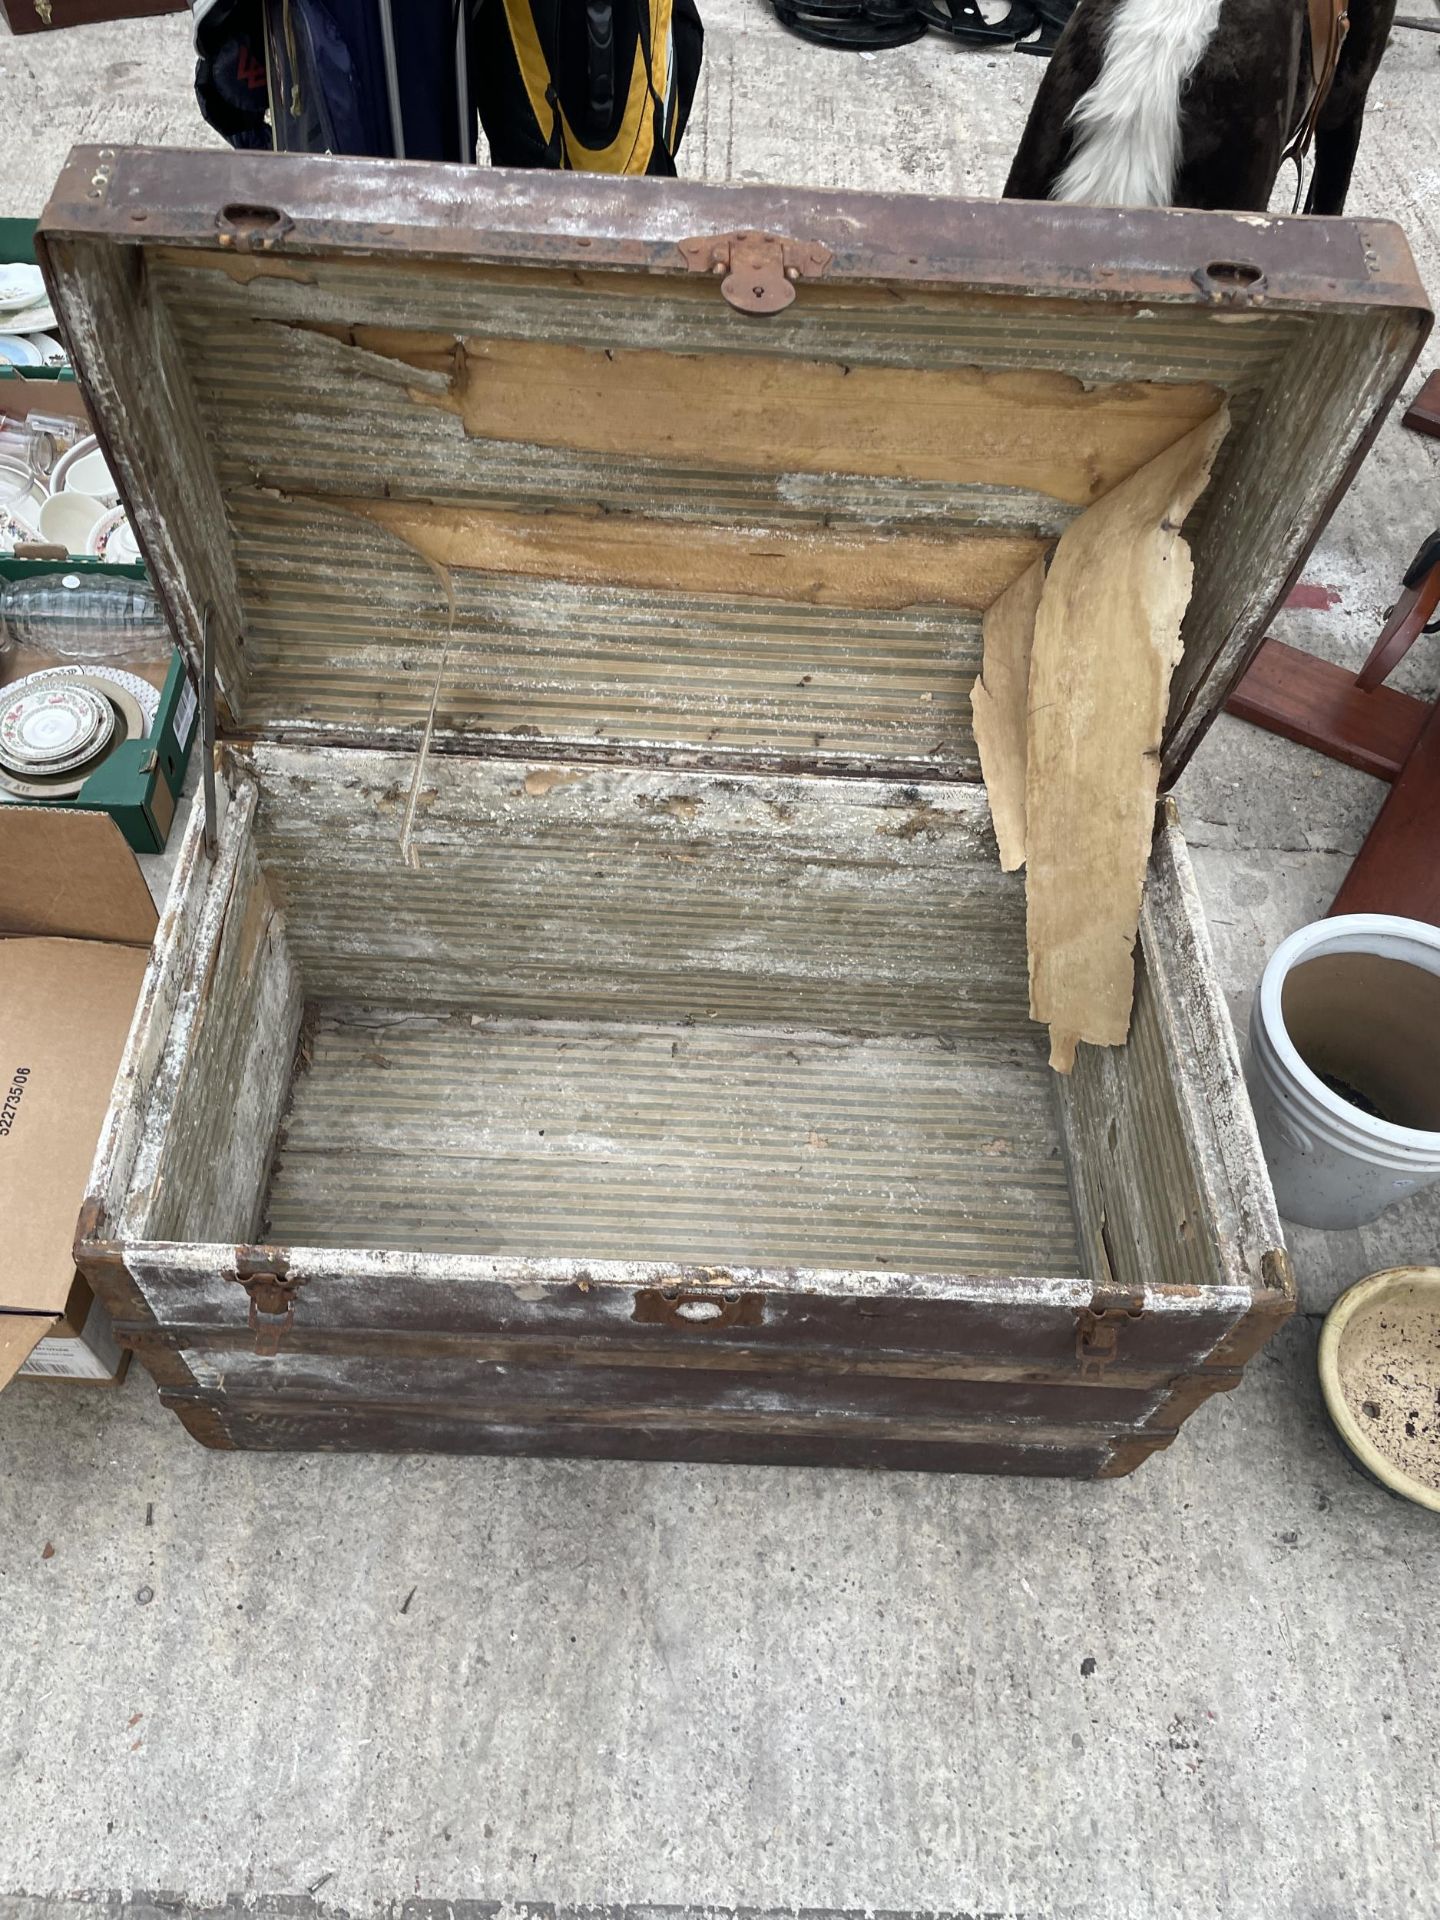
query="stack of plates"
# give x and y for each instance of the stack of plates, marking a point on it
(53, 728)
(58, 726)
(27, 320)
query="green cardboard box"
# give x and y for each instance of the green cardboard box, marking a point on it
(140, 782)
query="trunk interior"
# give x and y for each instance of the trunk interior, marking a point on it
(614, 1015)
(605, 872)
(611, 1014)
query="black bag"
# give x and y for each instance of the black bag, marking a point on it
(599, 86)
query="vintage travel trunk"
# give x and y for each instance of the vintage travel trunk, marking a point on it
(600, 1024)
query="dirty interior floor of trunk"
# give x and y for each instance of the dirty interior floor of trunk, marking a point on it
(463, 1133)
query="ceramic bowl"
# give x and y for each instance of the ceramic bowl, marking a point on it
(1380, 1375)
(113, 538)
(68, 519)
(83, 470)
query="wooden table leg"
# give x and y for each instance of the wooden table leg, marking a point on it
(1398, 868)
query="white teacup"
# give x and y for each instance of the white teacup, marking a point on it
(68, 519)
(86, 471)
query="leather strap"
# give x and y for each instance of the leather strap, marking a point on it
(1329, 24)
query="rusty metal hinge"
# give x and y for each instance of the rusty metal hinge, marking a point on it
(760, 269)
(272, 1300)
(1097, 1328)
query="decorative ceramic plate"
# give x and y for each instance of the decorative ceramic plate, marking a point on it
(52, 354)
(116, 684)
(21, 285)
(37, 319)
(14, 528)
(131, 719)
(18, 350)
(123, 688)
(52, 728)
(113, 538)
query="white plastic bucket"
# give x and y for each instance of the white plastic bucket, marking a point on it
(1345, 1066)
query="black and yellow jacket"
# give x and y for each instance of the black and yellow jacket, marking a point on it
(601, 86)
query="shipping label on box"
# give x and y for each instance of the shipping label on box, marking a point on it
(82, 1347)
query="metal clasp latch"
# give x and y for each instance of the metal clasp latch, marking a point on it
(1097, 1329)
(760, 269)
(272, 1301)
(247, 229)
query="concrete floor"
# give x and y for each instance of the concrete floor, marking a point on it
(342, 1685)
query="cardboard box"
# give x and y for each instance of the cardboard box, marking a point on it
(81, 1345)
(76, 922)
